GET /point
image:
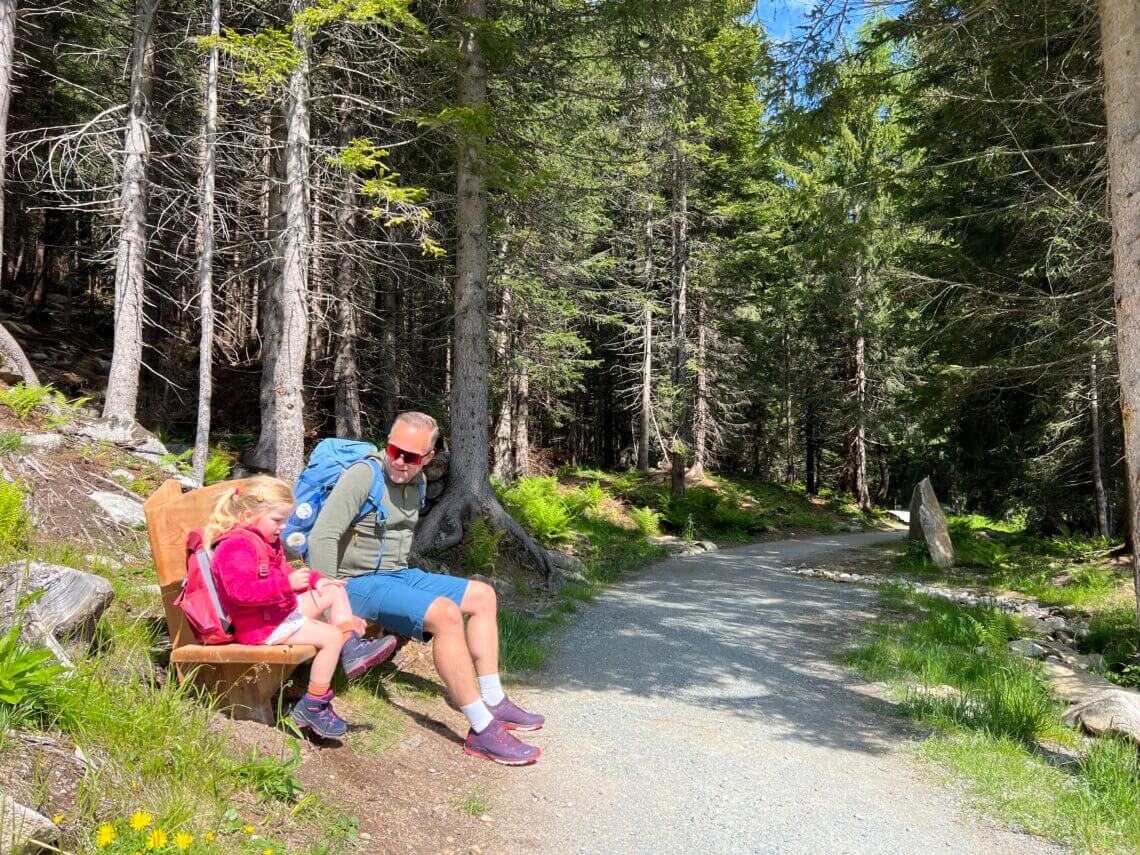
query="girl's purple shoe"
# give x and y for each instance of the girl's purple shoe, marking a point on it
(516, 718)
(358, 654)
(317, 715)
(494, 743)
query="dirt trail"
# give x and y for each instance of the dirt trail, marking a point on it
(698, 708)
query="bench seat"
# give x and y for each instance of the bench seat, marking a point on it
(276, 654)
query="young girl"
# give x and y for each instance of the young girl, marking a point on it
(271, 603)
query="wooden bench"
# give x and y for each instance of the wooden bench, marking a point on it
(243, 677)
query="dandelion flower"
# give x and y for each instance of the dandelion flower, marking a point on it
(183, 840)
(140, 820)
(266, 852)
(57, 818)
(249, 829)
(104, 835)
(209, 837)
(156, 839)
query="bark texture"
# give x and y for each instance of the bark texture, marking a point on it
(1102, 519)
(1120, 45)
(130, 252)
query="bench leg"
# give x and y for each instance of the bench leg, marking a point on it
(244, 691)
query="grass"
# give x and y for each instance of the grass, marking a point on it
(476, 803)
(988, 730)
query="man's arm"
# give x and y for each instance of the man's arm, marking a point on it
(337, 516)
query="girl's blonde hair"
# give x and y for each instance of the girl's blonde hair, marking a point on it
(260, 493)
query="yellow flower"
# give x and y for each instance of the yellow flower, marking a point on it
(266, 852)
(57, 818)
(140, 820)
(209, 837)
(156, 839)
(105, 835)
(249, 829)
(183, 840)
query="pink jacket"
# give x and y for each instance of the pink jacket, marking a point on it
(256, 603)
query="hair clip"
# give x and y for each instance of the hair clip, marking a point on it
(260, 494)
(237, 490)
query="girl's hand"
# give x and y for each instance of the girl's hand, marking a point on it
(323, 583)
(299, 580)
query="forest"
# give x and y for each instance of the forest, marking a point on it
(623, 233)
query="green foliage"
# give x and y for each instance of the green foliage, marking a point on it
(520, 640)
(218, 467)
(588, 498)
(536, 503)
(703, 512)
(54, 407)
(270, 776)
(647, 520)
(14, 521)
(482, 546)
(25, 675)
(10, 441)
(475, 803)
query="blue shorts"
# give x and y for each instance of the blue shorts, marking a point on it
(398, 600)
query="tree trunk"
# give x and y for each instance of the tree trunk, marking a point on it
(884, 476)
(346, 369)
(289, 371)
(789, 418)
(810, 450)
(390, 318)
(857, 448)
(1120, 36)
(469, 485)
(264, 455)
(502, 456)
(701, 414)
(130, 254)
(646, 410)
(520, 415)
(680, 287)
(1102, 524)
(206, 257)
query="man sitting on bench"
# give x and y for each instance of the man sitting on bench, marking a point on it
(372, 556)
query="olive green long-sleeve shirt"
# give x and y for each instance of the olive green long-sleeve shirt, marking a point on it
(338, 548)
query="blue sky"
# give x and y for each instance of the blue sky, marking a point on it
(781, 17)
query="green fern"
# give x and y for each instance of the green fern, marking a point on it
(218, 467)
(14, 522)
(482, 546)
(647, 520)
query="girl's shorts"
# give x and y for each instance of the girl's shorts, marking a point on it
(286, 628)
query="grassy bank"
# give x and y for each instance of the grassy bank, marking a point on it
(994, 726)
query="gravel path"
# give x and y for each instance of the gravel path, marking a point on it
(698, 708)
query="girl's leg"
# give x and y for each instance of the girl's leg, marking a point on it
(328, 641)
(334, 599)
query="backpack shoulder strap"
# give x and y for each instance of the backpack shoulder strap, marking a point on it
(258, 546)
(375, 500)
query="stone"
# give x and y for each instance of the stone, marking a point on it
(38, 356)
(572, 567)
(1115, 712)
(123, 475)
(122, 510)
(502, 587)
(72, 601)
(928, 523)
(23, 831)
(1074, 685)
(436, 470)
(1028, 648)
(124, 432)
(1053, 624)
(41, 443)
(708, 545)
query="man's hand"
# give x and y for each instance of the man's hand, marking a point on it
(299, 579)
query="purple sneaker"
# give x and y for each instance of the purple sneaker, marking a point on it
(317, 714)
(358, 655)
(516, 718)
(494, 743)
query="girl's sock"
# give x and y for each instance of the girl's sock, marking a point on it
(346, 629)
(478, 714)
(491, 690)
(317, 691)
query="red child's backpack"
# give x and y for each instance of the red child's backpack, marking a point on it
(198, 598)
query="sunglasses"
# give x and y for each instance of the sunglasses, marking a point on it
(410, 457)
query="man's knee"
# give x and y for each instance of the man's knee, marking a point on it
(479, 597)
(443, 617)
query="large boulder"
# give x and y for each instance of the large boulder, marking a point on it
(70, 604)
(23, 831)
(121, 509)
(928, 524)
(1115, 712)
(122, 431)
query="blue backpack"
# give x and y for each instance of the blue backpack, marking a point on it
(329, 459)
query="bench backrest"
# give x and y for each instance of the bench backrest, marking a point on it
(170, 516)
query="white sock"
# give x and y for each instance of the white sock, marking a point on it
(478, 714)
(491, 689)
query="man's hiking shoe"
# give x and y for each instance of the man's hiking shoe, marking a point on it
(516, 718)
(317, 715)
(358, 655)
(494, 743)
